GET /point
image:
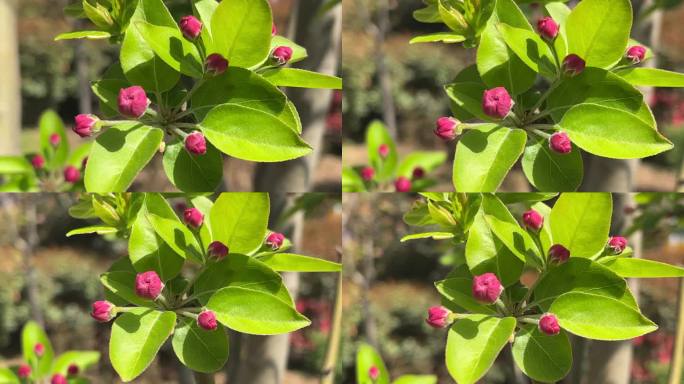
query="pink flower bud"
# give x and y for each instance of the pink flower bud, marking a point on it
(73, 370)
(487, 288)
(38, 161)
(274, 30)
(636, 54)
(84, 125)
(207, 320)
(367, 173)
(383, 150)
(191, 27)
(548, 324)
(103, 311)
(58, 379)
(217, 250)
(402, 184)
(418, 173)
(445, 128)
(282, 54)
(148, 285)
(195, 143)
(559, 254)
(497, 103)
(373, 372)
(216, 64)
(39, 349)
(275, 240)
(533, 220)
(133, 102)
(24, 371)
(547, 27)
(560, 143)
(193, 217)
(55, 139)
(573, 65)
(617, 244)
(438, 317)
(71, 174)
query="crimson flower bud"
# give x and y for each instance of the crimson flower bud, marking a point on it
(193, 217)
(573, 65)
(55, 139)
(367, 173)
(85, 124)
(73, 370)
(533, 220)
(39, 349)
(217, 250)
(58, 379)
(547, 27)
(402, 184)
(71, 174)
(275, 240)
(445, 128)
(559, 254)
(373, 372)
(383, 150)
(548, 324)
(103, 311)
(560, 143)
(24, 371)
(636, 54)
(38, 161)
(497, 103)
(216, 64)
(418, 173)
(282, 54)
(438, 317)
(148, 285)
(195, 143)
(133, 102)
(487, 288)
(207, 320)
(274, 30)
(617, 244)
(190, 26)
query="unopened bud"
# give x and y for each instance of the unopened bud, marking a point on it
(497, 103)
(487, 288)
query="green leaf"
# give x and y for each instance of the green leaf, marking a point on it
(99, 229)
(31, 335)
(599, 317)
(199, 349)
(240, 220)
(122, 283)
(119, 154)
(298, 52)
(466, 95)
(107, 91)
(177, 236)
(136, 338)
(473, 344)
(170, 45)
(428, 235)
(377, 135)
(612, 133)
(290, 262)
(8, 377)
(542, 357)
(551, 171)
(77, 156)
(242, 31)
(427, 160)
(82, 359)
(451, 16)
(204, 9)
(352, 181)
(193, 173)
(581, 221)
(50, 123)
(458, 290)
(530, 48)
(15, 165)
(641, 268)
(598, 31)
(251, 134)
(559, 12)
(652, 77)
(255, 312)
(293, 77)
(416, 379)
(484, 155)
(91, 35)
(366, 358)
(444, 37)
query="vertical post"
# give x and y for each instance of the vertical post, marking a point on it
(10, 78)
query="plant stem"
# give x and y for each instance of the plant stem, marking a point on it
(333, 348)
(678, 350)
(188, 95)
(179, 132)
(545, 95)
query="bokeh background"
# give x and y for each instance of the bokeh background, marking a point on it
(389, 286)
(386, 78)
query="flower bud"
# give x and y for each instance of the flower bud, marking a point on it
(559, 142)
(275, 240)
(487, 288)
(636, 54)
(445, 128)
(373, 372)
(217, 250)
(207, 320)
(148, 285)
(71, 174)
(73, 370)
(103, 311)
(58, 379)
(438, 317)
(193, 217)
(497, 103)
(383, 150)
(38, 161)
(85, 125)
(133, 102)
(191, 27)
(617, 244)
(282, 54)
(573, 65)
(24, 371)
(195, 143)
(533, 220)
(216, 64)
(418, 173)
(55, 139)
(39, 349)
(559, 254)
(402, 184)
(548, 324)
(547, 27)
(367, 173)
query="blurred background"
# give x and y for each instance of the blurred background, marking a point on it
(38, 73)
(53, 280)
(389, 287)
(386, 78)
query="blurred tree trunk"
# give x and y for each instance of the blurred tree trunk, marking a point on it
(10, 91)
(85, 98)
